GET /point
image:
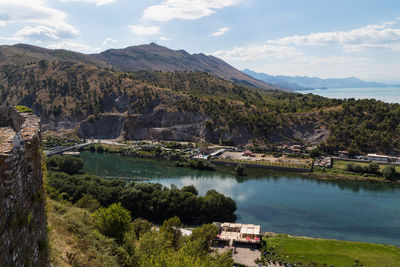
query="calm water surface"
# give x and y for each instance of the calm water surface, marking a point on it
(279, 202)
(386, 94)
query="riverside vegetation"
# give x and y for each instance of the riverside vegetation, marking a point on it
(145, 200)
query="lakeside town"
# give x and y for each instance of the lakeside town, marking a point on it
(290, 157)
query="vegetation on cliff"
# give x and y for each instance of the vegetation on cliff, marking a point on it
(79, 237)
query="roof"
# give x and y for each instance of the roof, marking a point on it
(250, 229)
(377, 156)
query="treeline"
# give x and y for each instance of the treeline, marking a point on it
(389, 172)
(196, 164)
(145, 200)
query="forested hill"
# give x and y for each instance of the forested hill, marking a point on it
(98, 102)
(134, 58)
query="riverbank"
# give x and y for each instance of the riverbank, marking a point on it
(328, 176)
(307, 251)
(171, 155)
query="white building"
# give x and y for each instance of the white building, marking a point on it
(376, 157)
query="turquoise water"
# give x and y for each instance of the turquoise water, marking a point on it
(386, 94)
(279, 202)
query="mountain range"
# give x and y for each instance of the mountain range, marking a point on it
(151, 57)
(310, 83)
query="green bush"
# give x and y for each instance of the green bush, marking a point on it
(23, 109)
(67, 164)
(389, 172)
(113, 221)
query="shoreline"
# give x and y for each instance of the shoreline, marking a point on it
(332, 177)
(324, 176)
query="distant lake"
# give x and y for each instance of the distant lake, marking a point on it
(386, 94)
(279, 202)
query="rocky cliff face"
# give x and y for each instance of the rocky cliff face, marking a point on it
(22, 213)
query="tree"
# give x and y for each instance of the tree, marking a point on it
(205, 235)
(190, 189)
(113, 221)
(140, 227)
(100, 149)
(373, 167)
(71, 165)
(67, 164)
(389, 172)
(172, 232)
(314, 153)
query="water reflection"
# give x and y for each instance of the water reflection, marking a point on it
(280, 202)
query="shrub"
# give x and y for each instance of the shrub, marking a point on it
(113, 221)
(389, 173)
(23, 109)
(88, 202)
(67, 164)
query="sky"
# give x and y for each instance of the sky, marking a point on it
(319, 38)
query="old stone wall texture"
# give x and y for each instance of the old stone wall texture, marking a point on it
(23, 236)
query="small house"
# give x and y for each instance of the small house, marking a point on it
(248, 153)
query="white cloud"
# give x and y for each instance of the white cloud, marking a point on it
(74, 47)
(108, 41)
(31, 11)
(43, 33)
(308, 60)
(96, 2)
(385, 35)
(143, 30)
(163, 38)
(220, 32)
(185, 9)
(51, 22)
(255, 52)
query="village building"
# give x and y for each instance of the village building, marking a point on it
(248, 153)
(376, 157)
(239, 233)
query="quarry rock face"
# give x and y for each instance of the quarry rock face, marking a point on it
(23, 235)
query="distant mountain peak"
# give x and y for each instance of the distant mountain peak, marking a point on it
(160, 58)
(305, 82)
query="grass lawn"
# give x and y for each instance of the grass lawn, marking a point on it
(326, 252)
(342, 164)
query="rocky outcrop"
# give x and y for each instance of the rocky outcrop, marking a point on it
(22, 204)
(104, 126)
(312, 133)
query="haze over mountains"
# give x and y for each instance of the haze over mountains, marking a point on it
(310, 83)
(135, 58)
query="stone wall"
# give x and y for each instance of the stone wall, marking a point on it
(23, 236)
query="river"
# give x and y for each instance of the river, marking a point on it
(279, 202)
(386, 94)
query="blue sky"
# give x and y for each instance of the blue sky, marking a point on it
(321, 38)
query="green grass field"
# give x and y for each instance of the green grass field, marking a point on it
(342, 164)
(325, 252)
